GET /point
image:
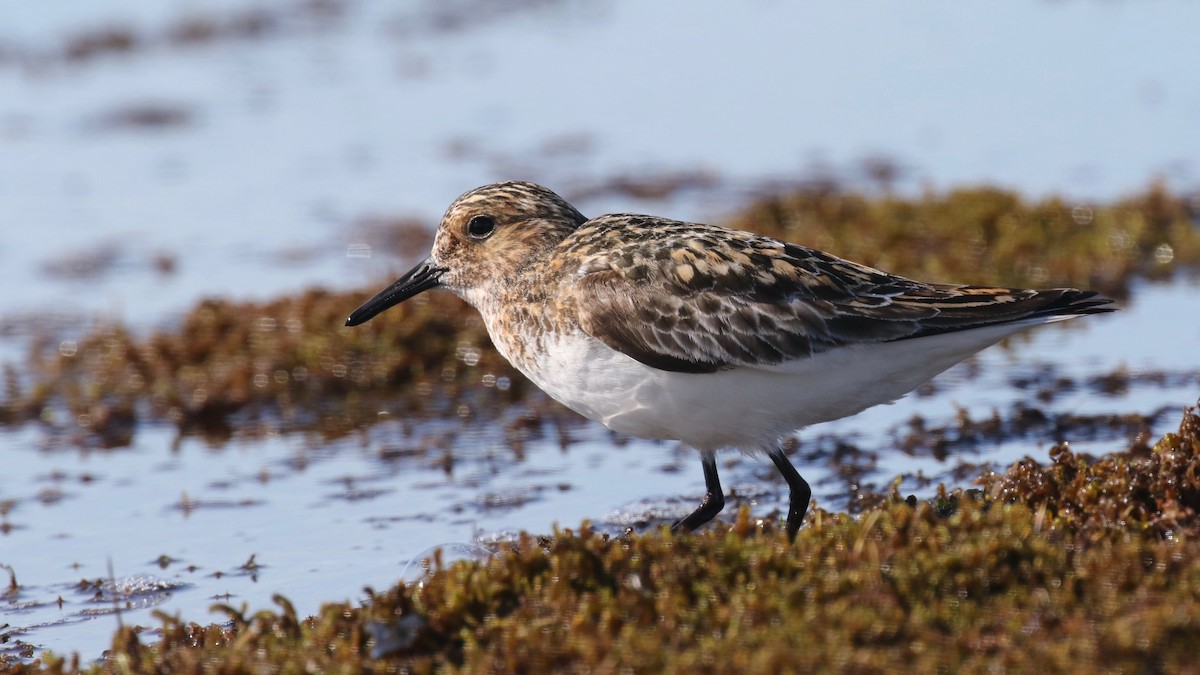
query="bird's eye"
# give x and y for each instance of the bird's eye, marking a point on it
(480, 227)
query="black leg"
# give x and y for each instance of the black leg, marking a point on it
(714, 498)
(800, 492)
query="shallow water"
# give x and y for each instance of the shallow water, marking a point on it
(323, 518)
(133, 184)
(253, 162)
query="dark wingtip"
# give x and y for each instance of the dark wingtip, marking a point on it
(1073, 301)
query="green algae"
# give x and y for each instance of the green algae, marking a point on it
(1154, 489)
(1080, 565)
(290, 360)
(992, 236)
(291, 364)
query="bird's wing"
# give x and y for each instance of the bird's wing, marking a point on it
(694, 298)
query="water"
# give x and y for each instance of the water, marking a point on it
(257, 163)
(324, 518)
(282, 144)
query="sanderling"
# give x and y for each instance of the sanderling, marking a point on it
(718, 338)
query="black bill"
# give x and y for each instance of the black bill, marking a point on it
(423, 277)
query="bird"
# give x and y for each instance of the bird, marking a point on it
(718, 338)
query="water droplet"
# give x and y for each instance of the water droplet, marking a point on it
(1164, 254)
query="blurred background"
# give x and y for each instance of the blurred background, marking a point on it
(155, 154)
(239, 144)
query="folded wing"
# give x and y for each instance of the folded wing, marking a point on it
(700, 299)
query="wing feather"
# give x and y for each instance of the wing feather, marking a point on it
(696, 298)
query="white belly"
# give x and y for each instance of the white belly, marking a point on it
(744, 408)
